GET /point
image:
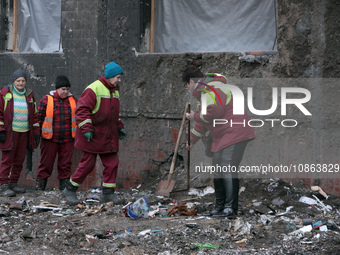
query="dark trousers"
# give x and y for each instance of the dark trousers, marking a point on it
(226, 182)
(87, 163)
(49, 151)
(12, 160)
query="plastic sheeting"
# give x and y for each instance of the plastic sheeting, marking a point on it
(215, 25)
(39, 24)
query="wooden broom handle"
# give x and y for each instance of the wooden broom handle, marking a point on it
(178, 140)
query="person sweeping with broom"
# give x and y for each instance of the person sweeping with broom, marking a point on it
(228, 141)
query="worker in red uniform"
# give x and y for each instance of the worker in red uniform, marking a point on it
(56, 114)
(19, 129)
(98, 131)
(228, 141)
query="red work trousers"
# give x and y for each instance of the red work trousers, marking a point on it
(87, 163)
(49, 152)
(12, 160)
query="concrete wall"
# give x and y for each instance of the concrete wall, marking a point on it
(153, 96)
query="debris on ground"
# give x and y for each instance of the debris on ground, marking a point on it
(273, 218)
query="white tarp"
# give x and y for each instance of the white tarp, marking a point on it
(214, 25)
(39, 24)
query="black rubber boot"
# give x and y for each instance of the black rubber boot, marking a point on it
(227, 212)
(5, 191)
(40, 184)
(62, 183)
(220, 198)
(70, 193)
(231, 186)
(16, 188)
(109, 196)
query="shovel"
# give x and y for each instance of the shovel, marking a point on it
(166, 186)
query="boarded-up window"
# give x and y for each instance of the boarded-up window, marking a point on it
(39, 24)
(214, 25)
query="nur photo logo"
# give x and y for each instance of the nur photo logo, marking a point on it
(287, 95)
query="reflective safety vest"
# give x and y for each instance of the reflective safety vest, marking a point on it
(47, 126)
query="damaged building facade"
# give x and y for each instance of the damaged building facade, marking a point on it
(301, 41)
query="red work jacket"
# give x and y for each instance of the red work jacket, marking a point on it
(98, 111)
(6, 117)
(223, 135)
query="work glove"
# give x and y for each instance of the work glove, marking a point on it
(88, 135)
(37, 139)
(121, 134)
(2, 136)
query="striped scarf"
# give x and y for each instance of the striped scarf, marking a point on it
(20, 114)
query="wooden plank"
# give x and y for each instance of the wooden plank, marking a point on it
(152, 26)
(15, 24)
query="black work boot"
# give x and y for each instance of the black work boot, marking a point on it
(16, 188)
(40, 184)
(231, 186)
(220, 198)
(62, 183)
(109, 196)
(228, 212)
(5, 191)
(70, 193)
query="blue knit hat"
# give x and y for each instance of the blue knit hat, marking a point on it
(112, 69)
(18, 73)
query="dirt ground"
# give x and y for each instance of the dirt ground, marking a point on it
(268, 222)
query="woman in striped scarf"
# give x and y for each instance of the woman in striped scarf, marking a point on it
(19, 127)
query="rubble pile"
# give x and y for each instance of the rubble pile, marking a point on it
(274, 218)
